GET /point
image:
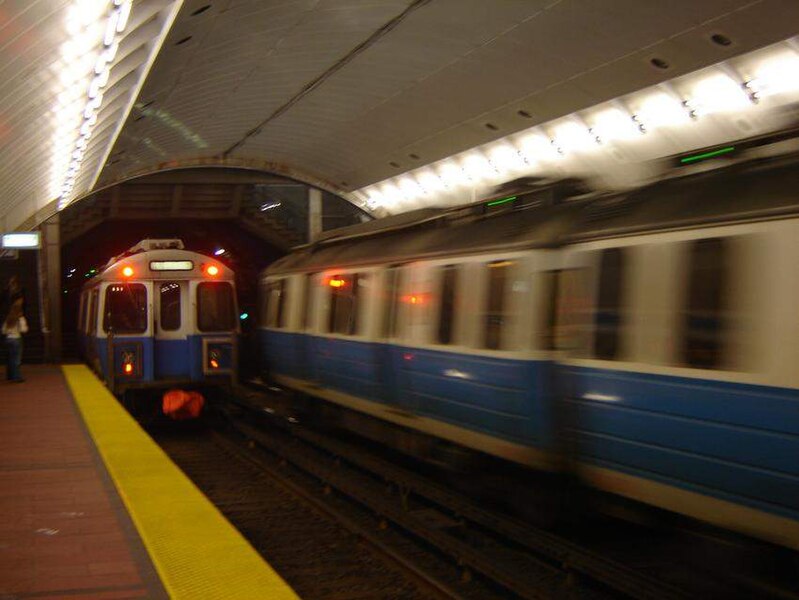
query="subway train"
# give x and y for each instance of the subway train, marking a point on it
(159, 317)
(646, 341)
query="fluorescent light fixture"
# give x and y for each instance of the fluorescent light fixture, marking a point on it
(719, 93)
(94, 28)
(430, 182)
(22, 240)
(505, 158)
(451, 175)
(573, 136)
(778, 74)
(219, 252)
(662, 110)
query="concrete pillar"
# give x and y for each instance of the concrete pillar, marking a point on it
(314, 214)
(238, 196)
(50, 274)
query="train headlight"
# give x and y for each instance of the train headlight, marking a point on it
(212, 270)
(127, 271)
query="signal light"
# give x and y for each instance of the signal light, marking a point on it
(214, 364)
(212, 270)
(128, 368)
(127, 271)
(337, 283)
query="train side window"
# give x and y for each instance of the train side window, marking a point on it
(704, 318)
(275, 303)
(391, 300)
(93, 312)
(216, 308)
(446, 320)
(169, 306)
(609, 309)
(495, 303)
(125, 308)
(343, 317)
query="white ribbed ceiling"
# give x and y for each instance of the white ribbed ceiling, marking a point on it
(346, 93)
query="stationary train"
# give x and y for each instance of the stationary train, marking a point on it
(647, 341)
(159, 317)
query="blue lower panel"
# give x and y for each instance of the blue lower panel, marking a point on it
(498, 396)
(738, 442)
(348, 366)
(283, 353)
(172, 359)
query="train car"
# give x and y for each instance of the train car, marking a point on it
(160, 317)
(647, 341)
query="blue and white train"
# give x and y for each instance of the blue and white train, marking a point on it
(160, 317)
(651, 336)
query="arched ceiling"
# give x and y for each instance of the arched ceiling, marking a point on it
(340, 93)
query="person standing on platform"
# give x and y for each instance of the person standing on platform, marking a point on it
(13, 327)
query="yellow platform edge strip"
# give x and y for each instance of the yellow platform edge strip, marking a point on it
(196, 552)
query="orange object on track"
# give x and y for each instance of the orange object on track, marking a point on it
(181, 405)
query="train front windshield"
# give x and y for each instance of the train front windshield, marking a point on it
(216, 309)
(125, 308)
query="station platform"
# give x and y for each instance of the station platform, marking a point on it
(90, 507)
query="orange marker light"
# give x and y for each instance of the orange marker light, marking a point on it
(127, 271)
(337, 283)
(214, 364)
(128, 368)
(414, 299)
(212, 270)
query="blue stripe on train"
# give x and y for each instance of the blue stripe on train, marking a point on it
(498, 396)
(735, 441)
(161, 359)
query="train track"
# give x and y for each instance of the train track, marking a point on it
(320, 552)
(490, 549)
(339, 520)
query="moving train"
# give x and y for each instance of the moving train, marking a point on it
(647, 341)
(159, 317)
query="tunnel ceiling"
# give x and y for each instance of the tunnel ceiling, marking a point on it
(345, 93)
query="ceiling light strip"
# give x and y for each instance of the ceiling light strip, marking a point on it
(720, 89)
(88, 19)
(84, 23)
(169, 15)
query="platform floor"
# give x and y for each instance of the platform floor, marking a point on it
(90, 507)
(64, 532)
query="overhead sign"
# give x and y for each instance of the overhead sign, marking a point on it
(26, 241)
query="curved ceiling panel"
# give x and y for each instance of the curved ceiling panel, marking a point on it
(345, 93)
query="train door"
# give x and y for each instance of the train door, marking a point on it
(170, 324)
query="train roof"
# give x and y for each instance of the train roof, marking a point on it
(162, 260)
(557, 212)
